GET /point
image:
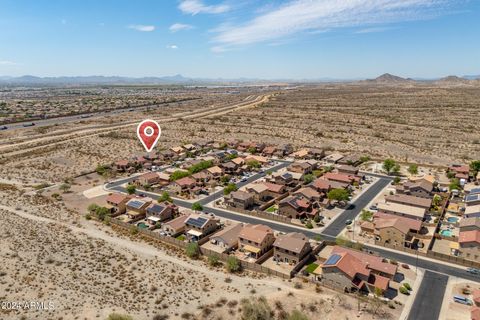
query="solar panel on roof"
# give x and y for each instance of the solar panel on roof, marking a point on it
(137, 204)
(472, 197)
(156, 208)
(475, 190)
(333, 259)
(199, 222)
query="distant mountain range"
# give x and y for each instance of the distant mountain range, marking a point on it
(386, 78)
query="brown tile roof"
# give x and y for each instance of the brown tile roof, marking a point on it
(412, 200)
(373, 262)
(186, 181)
(294, 242)
(469, 236)
(117, 198)
(469, 222)
(308, 192)
(229, 234)
(403, 224)
(255, 233)
(321, 184)
(241, 195)
(349, 264)
(273, 187)
(177, 223)
(339, 177)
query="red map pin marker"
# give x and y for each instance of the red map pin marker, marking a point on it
(148, 131)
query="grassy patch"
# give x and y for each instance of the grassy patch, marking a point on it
(181, 237)
(311, 267)
(271, 209)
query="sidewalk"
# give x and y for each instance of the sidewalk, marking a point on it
(416, 285)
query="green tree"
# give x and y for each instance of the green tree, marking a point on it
(102, 169)
(131, 189)
(366, 215)
(233, 264)
(65, 187)
(396, 180)
(225, 179)
(253, 164)
(309, 225)
(338, 194)
(413, 169)
(308, 178)
(200, 166)
(252, 150)
(213, 260)
(454, 184)
(230, 188)
(256, 309)
(179, 174)
(297, 315)
(117, 316)
(364, 159)
(389, 165)
(165, 197)
(102, 212)
(192, 250)
(475, 166)
(92, 207)
(197, 206)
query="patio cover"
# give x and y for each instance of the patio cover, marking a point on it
(251, 249)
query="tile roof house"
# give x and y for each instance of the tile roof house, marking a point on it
(340, 177)
(300, 154)
(351, 159)
(402, 210)
(295, 207)
(157, 212)
(117, 202)
(239, 199)
(184, 184)
(469, 244)
(199, 225)
(472, 211)
(355, 271)
(255, 240)
(413, 201)
(469, 224)
(309, 193)
(136, 207)
(347, 169)
(300, 167)
(176, 226)
(215, 171)
(283, 178)
(259, 191)
(269, 151)
(228, 237)
(419, 188)
(316, 153)
(148, 179)
(291, 248)
(392, 230)
(333, 158)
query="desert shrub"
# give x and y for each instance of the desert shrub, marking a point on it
(233, 264)
(117, 316)
(192, 250)
(256, 309)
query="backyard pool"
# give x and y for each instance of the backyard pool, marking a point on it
(446, 233)
(452, 219)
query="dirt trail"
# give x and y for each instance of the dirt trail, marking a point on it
(65, 138)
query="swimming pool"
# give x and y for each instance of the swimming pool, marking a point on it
(452, 219)
(446, 233)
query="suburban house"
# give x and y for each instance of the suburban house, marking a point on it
(283, 178)
(137, 207)
(469, 244)
(182, 185)
(333, 158)
(419, 188)
(117, 202)
(269, 151)
(274, 190)
(157, 212)
(300, 167)
(402, 210)
(322, 185)
(255, 240)
(215, 171)
(308, 193)
(472, 211)
(469, 238)
(122, 165)
(199, 225)
(472, 199)
(201, 177)
(230, 167)
(300, 154)
(177, 150)
(291, 248)
(259, 191)
(340, 177)
(239, 199)
(347, 169)
(316, 153)
(351, 159)
(413, 201)
(392, 230)
(227, 238)
(176, 226)
(148, 179)
(295, 207)
(354, 271)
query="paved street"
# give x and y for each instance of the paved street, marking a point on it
(334, 228)
(428, 301)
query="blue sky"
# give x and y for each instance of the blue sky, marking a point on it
(243, 38)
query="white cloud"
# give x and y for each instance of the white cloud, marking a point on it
(141, 27)
(7, 63)
(180, 27)
(194, 7)
(298, 16)
(172, 46)
(372, 30)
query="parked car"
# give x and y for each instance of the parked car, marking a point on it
(462, 300)
(3, 128)
(243, 180)
(473, 271)
(348, 222)
(31, 124)
(373, 207)
(405, 266)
